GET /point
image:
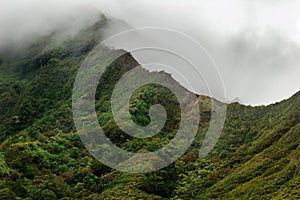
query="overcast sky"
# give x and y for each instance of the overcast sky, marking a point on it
(255, 43)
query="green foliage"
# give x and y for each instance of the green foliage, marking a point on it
(42, 157)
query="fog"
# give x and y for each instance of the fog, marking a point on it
(254, 43)
(23, 21)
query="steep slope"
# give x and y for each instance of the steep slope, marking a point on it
(42, 156)
(256, 157)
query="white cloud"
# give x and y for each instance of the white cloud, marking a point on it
(254, 42)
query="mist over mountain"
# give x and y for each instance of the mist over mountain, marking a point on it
(42, 156)
(255, 44)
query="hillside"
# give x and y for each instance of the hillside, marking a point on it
(42, 156)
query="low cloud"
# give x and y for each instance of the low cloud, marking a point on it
(254, 43)
(23, 21)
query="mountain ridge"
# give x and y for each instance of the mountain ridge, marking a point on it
(42, 157)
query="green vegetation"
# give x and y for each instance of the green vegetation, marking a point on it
(42, 157)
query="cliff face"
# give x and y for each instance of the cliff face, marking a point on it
(42, 157)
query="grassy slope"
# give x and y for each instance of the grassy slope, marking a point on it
(42, 157)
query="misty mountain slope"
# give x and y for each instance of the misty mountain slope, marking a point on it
(42, 156)
(26, 72)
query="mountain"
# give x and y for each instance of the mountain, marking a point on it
(42, 156)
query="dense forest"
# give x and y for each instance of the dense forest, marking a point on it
(42, 156)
